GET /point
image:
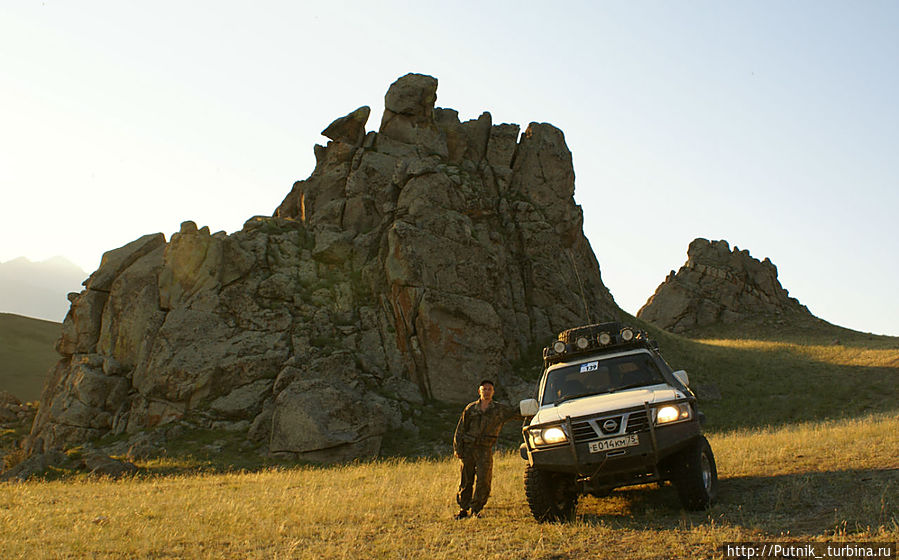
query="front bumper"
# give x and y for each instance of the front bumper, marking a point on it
(655, 443)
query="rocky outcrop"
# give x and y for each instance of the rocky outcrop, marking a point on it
(15, 418)
(12, 410)
(413, 262)
(94, 463)
(718, 285)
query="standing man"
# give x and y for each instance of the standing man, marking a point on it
(473, 443)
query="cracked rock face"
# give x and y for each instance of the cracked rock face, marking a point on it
(718, 285)
(412, 263)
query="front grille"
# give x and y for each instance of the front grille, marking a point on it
(592, 429)
(637, 422)
(609, 426)
(583, 431)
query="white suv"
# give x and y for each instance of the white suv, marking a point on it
(610, 412)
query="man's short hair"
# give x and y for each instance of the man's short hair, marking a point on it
(487, 382)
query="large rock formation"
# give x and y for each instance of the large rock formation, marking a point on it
(719, 286)
(412, 263)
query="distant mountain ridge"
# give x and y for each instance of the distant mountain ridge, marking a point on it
(39, 289)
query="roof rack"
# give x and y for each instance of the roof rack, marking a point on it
(599, 337)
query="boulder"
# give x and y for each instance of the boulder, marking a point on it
(131, 315)
(12, 410)
(349, 129)
(412, 95)
(81, 326)
(8, 414)
(104, 465)
(408, 127)
(7, 399)
(35, 465)
(321, 421)
(244, 401)
(118, 260)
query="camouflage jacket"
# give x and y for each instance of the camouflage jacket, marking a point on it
(480, 428)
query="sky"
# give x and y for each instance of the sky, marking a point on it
(772, 125)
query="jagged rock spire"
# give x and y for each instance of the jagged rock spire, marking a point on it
(413, 262)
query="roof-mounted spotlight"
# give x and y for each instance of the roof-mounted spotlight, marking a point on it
(558, 346)
(582, 343)
(605, 338)
(627, 335)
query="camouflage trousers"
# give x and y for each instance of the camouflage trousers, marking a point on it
(477, 474)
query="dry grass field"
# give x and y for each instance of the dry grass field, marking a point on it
(804, 424)
(824, 481)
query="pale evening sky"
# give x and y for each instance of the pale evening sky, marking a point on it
(773, 125)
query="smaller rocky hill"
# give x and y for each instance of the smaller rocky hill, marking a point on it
(718, 285)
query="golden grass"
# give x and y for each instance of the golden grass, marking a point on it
(835, 354)
(866, 443)
(836, 480)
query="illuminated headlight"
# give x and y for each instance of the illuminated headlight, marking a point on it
(559, 346)
(605, 338)
(582, 343)
(627, 335)
(547, 436)
(672, 413)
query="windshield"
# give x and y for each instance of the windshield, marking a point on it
(601, 376)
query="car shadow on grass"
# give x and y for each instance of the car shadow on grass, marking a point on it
(813, 503)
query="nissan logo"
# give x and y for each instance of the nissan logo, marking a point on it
(610, 426)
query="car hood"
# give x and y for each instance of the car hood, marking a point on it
(597, 404)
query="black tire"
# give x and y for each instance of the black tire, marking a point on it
(551, 496)
(696, 476)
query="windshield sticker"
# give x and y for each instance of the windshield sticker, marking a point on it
(590, 366)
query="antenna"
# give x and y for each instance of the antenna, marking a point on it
(580, 286)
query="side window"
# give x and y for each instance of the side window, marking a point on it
(553, 388)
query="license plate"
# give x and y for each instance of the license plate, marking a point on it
(614, 443)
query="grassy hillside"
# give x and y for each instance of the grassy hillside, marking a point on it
(760, 375)
(749, 378)
(822, 481)
(26, 354)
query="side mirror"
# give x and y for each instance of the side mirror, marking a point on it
(682, 376)
(528, 407)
